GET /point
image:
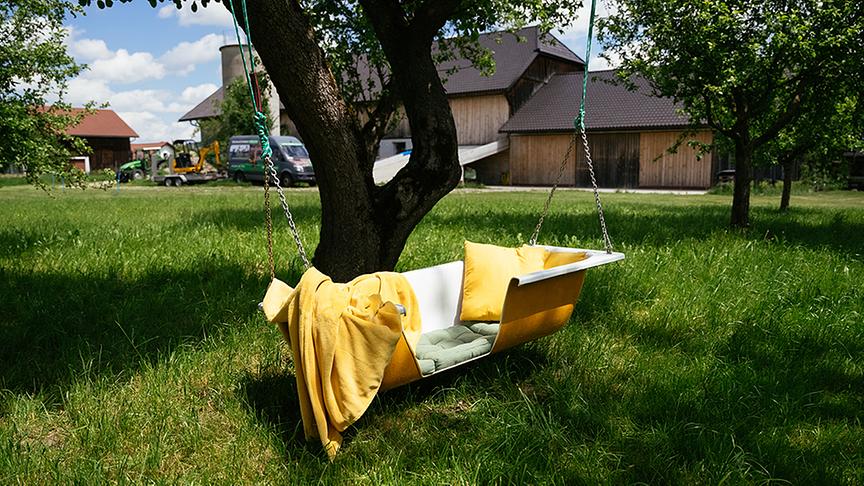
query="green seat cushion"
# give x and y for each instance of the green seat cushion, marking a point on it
(448, 347)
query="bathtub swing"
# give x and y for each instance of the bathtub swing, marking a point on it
(536, 304)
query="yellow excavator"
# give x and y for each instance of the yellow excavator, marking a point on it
(189, 159)
(189, 164)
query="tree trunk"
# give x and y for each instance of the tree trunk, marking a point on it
(363, 227)
(788, 165)
(743, 176)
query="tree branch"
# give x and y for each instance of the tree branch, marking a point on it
(379, 120)
(431, 16)
(789, 114)
(709, 117)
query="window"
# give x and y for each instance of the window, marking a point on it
(295, 150)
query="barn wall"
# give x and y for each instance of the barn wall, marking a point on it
(108, 153)
(659, 168)
(534, 159)
(615, 157)
(478, 118)
(493, 170)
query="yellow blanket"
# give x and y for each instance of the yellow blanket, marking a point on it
(342, 337)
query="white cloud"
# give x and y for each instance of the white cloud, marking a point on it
(124, 67)
(167, 12)
(151, 100)
(214, 14)
(575, 35)
(152, 128)
(194, 94)
(83, 90)
(183, 58)
(89, 49)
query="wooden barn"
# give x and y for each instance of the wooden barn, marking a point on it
(514, 126)
(629, 133)
(481, 104)
(108, 137)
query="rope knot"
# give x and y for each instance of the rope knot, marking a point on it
(263, 134)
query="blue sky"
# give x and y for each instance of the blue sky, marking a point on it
(152, 65)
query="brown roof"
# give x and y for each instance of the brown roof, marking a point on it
(142, 146)
(101, 123)
(609, 106)
(513, 54)
(207, 108)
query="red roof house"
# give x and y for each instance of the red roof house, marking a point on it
(108, 137)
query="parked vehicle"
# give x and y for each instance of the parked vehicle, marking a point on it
(134, 170)
(290, 159)
(189, 164)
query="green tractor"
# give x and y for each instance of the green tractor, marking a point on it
(134, 170)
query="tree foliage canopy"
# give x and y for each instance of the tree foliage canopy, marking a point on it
(357, 60)
(747, 68)
(316, 52)
(724, 59)
(234, 113)
(35, 67)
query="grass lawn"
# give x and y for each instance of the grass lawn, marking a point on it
(132, 351)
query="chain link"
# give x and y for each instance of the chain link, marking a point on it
(533, 240)
(294, 233)
(268, 224)
(607, 242)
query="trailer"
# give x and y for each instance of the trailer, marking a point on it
(176, 180)
(187, 166)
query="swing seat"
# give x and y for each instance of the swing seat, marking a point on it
(536, 304)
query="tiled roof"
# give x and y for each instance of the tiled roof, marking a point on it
(207, 108)
(142, 146)
(609, 106)
(101, 123)
(513, 54)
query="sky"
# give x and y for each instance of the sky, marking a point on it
(152, 65)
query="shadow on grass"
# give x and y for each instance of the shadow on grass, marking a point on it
(245, 219)
(650, 227)
(56, 327)
(273, 398)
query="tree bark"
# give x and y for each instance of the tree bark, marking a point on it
(788, 166)
(363, 227)
(741, 191)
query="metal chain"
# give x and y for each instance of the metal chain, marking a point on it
(607, 242)
(272, 170)
(268, 224)
(533, 240)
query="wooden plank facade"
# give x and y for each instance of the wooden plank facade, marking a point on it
(659, 168)
(478, 118)
(534, 160)
(615, 157)
(108, 152)
(621, 160)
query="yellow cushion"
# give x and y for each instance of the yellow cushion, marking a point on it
(557, 258)
(488, 270)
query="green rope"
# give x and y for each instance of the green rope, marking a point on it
(579, 122)
(259, 119)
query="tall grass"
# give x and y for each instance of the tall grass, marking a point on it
(132, 350)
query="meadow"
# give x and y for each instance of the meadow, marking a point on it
(131, 349)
